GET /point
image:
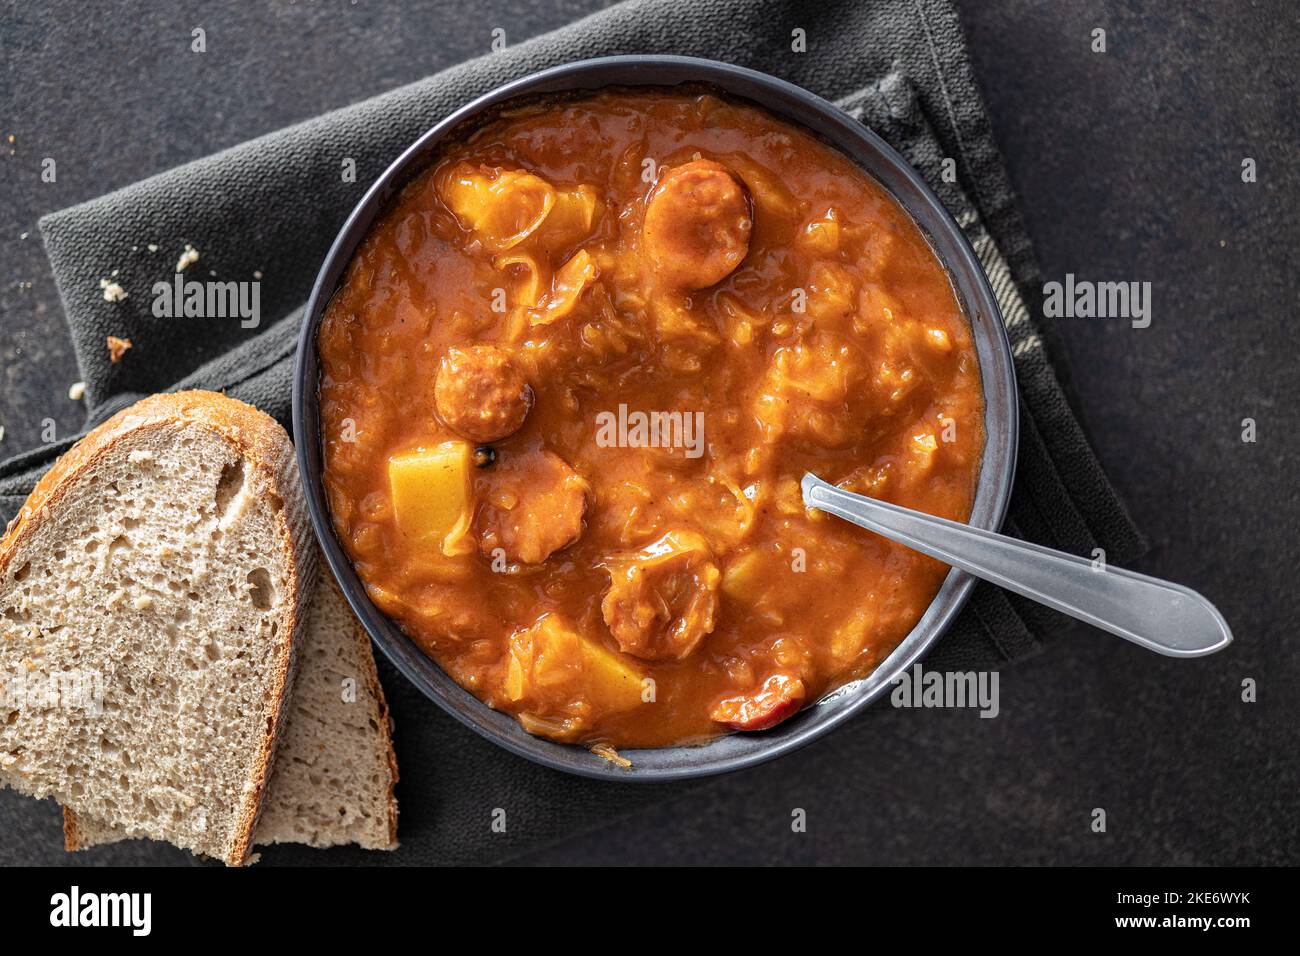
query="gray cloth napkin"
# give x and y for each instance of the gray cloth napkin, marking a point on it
(270, 208)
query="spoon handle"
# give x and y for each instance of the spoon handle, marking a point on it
(1163, 617)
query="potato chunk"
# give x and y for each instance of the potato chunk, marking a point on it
(534, 507)
(697, 225)
(745, 576)
(558, 676)
(481, 393)
(430, 490)
(571, 218)
(662, 600)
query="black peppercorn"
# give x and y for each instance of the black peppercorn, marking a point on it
(484, 456)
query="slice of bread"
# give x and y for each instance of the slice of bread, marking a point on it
(335, 769)
(152, 593)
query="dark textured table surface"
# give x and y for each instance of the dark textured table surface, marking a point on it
(1128, 165)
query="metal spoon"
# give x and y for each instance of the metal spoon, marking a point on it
(1163, 617)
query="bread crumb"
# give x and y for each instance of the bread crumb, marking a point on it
(112, 291)
(22, 235)
(257, 274)
(152, 247)
(188, 258)
(117, 348)
(77, 391)
(2, 433)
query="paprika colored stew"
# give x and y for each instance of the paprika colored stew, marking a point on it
(570, 384)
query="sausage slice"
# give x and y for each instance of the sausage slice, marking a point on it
(533, 507)
(663, 600)
(697, 225)
(482, 393)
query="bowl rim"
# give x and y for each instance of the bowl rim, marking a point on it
(970, 285)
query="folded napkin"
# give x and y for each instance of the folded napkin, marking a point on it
(268, 210)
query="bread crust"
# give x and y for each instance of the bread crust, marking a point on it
(390, 755)
(264, 445)
(71, 831)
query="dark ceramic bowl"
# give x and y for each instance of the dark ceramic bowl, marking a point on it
(871, 153)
